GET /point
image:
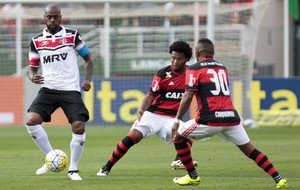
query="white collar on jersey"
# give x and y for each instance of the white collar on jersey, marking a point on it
(61, 33)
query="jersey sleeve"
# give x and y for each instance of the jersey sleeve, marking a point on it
(191, 80)
(155, 86)
(80, 46)
(33, 57)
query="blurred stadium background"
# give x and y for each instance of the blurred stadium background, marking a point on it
(129, 41)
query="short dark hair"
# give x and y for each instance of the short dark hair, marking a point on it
(181, 47)
(207, 47)
(53, 6)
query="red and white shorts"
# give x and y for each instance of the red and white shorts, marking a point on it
(154, 124)
(235, 134)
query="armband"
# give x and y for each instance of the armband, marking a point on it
(83, 51)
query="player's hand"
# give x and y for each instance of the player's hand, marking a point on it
(174, 131)
(37, 79)
(86, 85)
(139, 115)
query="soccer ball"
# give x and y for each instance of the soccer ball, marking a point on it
(56, 160)
(249, 123)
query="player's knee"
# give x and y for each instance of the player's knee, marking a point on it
(247, 148)
(178, 139)
(33, 119)
(136, 135)
(78, 127)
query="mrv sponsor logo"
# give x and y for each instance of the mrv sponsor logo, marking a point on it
(55, 57)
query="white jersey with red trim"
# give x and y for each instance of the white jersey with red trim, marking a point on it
(56, 54)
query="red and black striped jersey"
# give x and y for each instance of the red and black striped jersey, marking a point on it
(208, 78)
(167, 87)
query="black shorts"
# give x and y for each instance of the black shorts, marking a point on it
(48, 100)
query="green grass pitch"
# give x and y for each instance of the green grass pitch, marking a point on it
(146, 166)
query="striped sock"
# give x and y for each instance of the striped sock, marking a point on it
(120, 150)
(264, 163)
(190, 143)
(184, 153)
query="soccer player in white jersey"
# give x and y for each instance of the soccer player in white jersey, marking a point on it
(55, 52)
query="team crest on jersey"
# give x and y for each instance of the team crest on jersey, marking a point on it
(168, 74)
(63, 41)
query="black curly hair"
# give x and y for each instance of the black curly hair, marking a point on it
(181, 47)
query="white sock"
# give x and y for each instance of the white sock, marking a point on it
(40, 137)
(76, 146)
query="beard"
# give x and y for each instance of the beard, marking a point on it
(53, 28)
(176, 67)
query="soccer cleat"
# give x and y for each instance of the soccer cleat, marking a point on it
(282, 184)
(42, 170)
(73, 175)
(178, 165)
(186, 180)
(103, 172)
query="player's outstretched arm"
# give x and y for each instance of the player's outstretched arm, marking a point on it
(89, 69)
(184, 104)
(144, 105)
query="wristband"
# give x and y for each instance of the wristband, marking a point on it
(176, 120)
